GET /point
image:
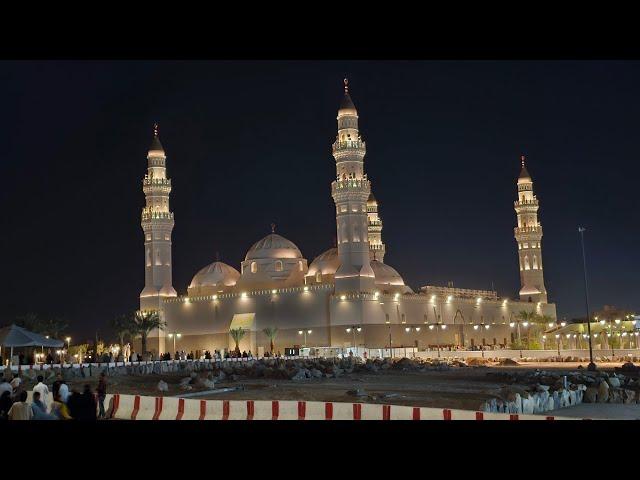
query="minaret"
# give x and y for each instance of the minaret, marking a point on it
(350, 192)
(376, 247)
(528, 234)
(157, 224)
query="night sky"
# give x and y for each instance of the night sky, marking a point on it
(249, 143)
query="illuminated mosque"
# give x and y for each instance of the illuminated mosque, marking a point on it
(345, 296)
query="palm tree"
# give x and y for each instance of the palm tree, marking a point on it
(123, 325)
(271, 333)
(237, 334)
(529, 317)
(143, 323)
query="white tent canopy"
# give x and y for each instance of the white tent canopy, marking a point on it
(15, 336)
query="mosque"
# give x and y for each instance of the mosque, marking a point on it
(347, 296)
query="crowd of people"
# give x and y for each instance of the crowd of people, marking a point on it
(67, 404)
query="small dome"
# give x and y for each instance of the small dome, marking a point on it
(217, 274)
(273, 246)
(346, 104)
(386, 275)
(524, 173)
(326, 263)
(371, 200)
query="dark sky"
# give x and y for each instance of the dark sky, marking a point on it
(249, 143)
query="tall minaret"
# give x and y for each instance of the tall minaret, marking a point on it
(528, 234)
(157, 224)
(377, 249)
(350, 192)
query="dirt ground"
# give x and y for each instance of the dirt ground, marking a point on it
(459, 388)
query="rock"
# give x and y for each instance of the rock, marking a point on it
(210, 384)
(299, 375)
(185, 381)
(509, 362)
(614, 382)
(163, 386)
(628, 396)
(603, 392)
(357, 393)
(315, 373)
(186, 387)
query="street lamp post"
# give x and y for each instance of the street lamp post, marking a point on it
(304, 332)
(174, 335)
(68, 339)
(353, 330)
(592, 365)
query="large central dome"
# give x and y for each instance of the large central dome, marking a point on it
(273, 246)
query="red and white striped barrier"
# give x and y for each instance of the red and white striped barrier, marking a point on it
(136, 407)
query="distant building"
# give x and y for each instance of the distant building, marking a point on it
(347, 295)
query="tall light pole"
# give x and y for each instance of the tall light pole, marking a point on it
(68, 339)
(174, 335)
(304, 332)
(592, 365)
(353, 330)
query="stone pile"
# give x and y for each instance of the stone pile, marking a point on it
(541, 391)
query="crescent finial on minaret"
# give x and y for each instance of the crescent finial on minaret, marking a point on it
(522, 160)
(273, 228)
(346, 85)
(155, 129)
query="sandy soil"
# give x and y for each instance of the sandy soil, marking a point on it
(459, 388)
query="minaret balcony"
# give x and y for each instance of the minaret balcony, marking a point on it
(349, 145)
(148, 214)
(375, 223)
(351, 185)
(526, 203)
(520, 230)
(151, 181)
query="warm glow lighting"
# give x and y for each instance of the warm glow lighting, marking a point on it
(396, 296)
(568, 335)
(550, 324)
(178, 335)
(215, 297)
(273, 292)
(512, 324)
(486, 327)
(504, 303)
(407, 329)
(544, 337)
(430, 327)
(68, 339)
(308, 332)
(449, 298)
(479, 299)
(444, 327)
(170, 335)
(563, 324)
(243, 295)
(617, 320)
(433, 298)
(417, 329)
(348, 330)
(475, 327)
(557, 335)
(525, 324)
(306, 289)
(601, 322)
(359, 329)
(595, 335)
(300, 332)
(343, 297)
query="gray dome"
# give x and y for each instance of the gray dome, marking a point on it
(273, 246)
(217, 274)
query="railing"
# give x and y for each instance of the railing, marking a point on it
(155, 215)
(163, 182)
(349, 145)
(350, 184)
(537, 229)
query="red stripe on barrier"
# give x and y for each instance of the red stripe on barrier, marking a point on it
(136, 407)
(275, 409)
(203, 409)
(328, 411)
(513, 416)
(225, 410)
(551, 418)
(446, 413)
(479, 416)
(416, 413)
(180, 409)
(357, 411)
(158, 411)
(386, 412)
(250, 406)
(302, 410)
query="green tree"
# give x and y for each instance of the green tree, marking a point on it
(30, 321)
(271, 333)
(237, 334)
(143, 323)
(55, 327)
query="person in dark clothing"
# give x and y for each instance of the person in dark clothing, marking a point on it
(102, 393)
(88, 404)
(5, 404)
(74, 404)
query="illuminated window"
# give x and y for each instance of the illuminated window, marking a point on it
(387, 318)
(300, 265)
(526, 262)
(158, 260)
(148, 257)
(403, 320)
(279, 266)
(166, 236)
(319, 277)
(535, 262)
(519, 246)
(254, 267)
(525, 245)
(343, 208)
(148, 237)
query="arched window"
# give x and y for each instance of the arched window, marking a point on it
(158, 260)
(148, 257)
(535, 262)
(526, 262)
(319, 277)
(254, 267)
(278, 266)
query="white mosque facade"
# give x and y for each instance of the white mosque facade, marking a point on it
(347, 295)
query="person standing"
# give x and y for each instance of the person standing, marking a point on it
(59, 409)
(102, 393)
(21, 410)
(87, 404)
(43, 390)
(5, 386)
(5, 404)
